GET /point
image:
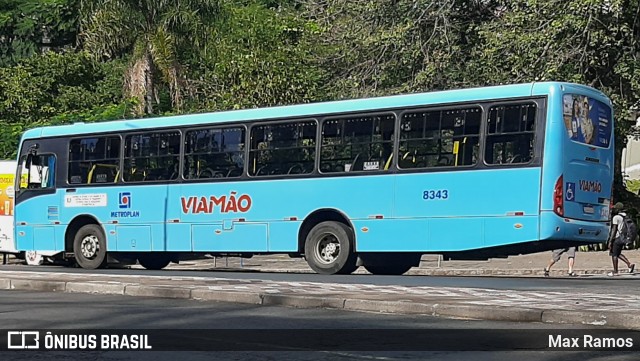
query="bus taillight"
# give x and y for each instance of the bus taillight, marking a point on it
(558, 206)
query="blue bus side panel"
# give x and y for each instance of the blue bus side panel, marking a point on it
(486, 193)
(498, 230)
(456, 211)
(242, 237)
(409, 235)
(283, 236)
(275, 203)
(44, 238)
(402, 235)
(443, 234)
(112, 237)
(133, 238)
(179, 237)
(24, 238)
(466, 218)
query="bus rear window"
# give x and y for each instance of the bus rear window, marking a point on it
(587, 120)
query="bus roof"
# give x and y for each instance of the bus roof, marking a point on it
(311, 109)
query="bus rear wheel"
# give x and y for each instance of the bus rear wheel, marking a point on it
(388, 269)
(153, 261)
(329, 249)
(392, 264)
(90, 247)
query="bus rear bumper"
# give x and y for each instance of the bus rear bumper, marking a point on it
(553, 227)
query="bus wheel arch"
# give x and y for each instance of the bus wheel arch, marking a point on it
(73, 228)
(327, 241)
(319, 216)
(88, 242)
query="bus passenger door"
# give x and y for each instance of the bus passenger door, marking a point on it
(178, 231)
(37, 205)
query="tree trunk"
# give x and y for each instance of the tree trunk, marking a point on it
(149, 85)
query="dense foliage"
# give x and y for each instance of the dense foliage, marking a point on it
(63, 61)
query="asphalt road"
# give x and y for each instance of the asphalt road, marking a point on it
(626, 286)
(36, 310)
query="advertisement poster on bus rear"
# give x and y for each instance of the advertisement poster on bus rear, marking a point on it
(6, 212)
(587, 120)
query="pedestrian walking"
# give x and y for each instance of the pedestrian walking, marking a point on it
(618, 237)
(555, 257)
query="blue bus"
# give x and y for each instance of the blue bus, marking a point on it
(468, 173)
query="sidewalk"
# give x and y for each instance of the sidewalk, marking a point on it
(586, 263)
(586, 307)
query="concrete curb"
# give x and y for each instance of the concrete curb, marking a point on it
(37, 285)
(157, 291)
(226, 296)
(93, 287)
(302, 301)
(434, 308)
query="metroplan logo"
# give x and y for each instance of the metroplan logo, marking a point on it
(124, 200)
(21, 340)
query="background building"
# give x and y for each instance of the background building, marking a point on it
(631, 158)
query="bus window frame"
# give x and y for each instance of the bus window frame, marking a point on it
(214, 126)
(257, 123)
(392, 166)
(151, 131)
(440, 108)
(538, 132)
(117, 180)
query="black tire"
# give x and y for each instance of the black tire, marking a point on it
(329, 249)
(390, 263)
(388, 269)
(90, 247)
(154, 261)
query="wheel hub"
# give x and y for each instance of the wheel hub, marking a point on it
(328, 249)
(89, 246)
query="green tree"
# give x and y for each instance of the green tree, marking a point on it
(582, 41)
(155, 34)
(31, 26)
(395, 46)
(56, 88)
(263, 55)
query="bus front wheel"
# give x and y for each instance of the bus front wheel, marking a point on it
(154, 261)
(329, 249)
(90, 247)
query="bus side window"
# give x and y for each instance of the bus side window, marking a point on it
(359, 143)
(510, 134)
(214, 153)
(439, 138)
(94, 160)
(151, 156)
(283, 148)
